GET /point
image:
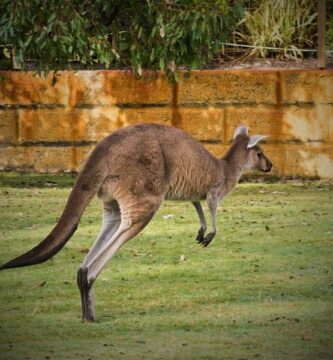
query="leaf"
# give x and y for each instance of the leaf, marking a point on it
(162, 63)
(7, 53)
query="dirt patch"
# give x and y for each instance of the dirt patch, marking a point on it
(257, 63)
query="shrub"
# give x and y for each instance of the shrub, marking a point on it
(160, 35)
(286, 24)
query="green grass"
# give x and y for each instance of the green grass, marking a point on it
(262, 289)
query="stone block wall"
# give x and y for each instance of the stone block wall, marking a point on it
(46, 127)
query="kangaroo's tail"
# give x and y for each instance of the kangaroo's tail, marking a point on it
(87, 184)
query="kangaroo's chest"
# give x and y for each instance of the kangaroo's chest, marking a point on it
(189, 174)
(187, 188)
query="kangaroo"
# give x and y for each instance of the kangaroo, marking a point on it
(133, 170)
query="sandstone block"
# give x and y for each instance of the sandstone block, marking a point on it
(313, 123)
(286, 124)
(8, 126)
(305, 160)
(26, 88)
(265, 120)
(204, 123)
(118, 87)
(228, 87)
(309, 86)
(76, 124)
(50, 125)
(153, 115)
(43, 159)
(101, 121)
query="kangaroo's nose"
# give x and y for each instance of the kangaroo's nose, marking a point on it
(269, 166)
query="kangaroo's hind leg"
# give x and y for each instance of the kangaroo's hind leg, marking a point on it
(135, 215)
(110, 224)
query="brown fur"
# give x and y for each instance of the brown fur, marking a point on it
(133, 171)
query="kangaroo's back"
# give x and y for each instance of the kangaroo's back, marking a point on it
(160, 157)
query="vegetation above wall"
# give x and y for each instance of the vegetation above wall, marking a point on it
(156, 35)
(287, 26)
(160, 35)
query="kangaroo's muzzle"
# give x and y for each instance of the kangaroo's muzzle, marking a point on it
(268, 167)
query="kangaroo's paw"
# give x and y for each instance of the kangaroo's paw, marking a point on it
(86, 292)
(208, 239)
(88, 315)
(201, 236)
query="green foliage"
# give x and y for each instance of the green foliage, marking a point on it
(329, 34)
(262, 289)
(329, 24)
(290, 25)
(160, 35)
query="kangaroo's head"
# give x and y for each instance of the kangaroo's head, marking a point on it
(255, 158)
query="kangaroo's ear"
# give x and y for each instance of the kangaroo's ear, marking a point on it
(254, 140)
(241, 129)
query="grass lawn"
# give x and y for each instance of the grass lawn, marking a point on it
(262, 289)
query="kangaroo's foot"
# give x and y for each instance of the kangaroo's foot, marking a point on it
(86, 292)
(201, 235)
(208, 239)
